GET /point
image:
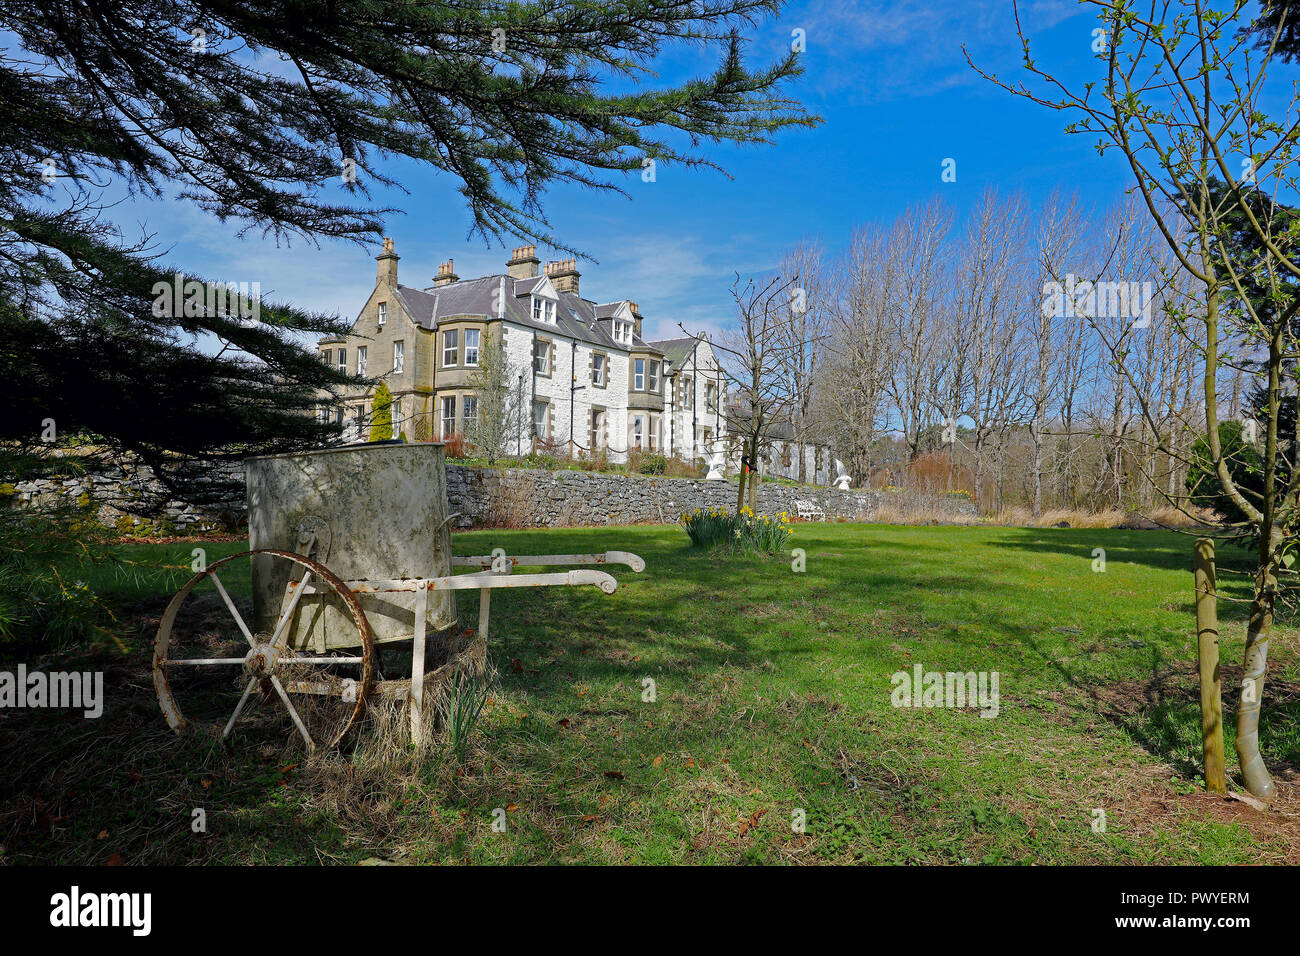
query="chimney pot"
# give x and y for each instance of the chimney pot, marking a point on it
(387, 260)
(446, 274)
(523, 264)
(564, 275)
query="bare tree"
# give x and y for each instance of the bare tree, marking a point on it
(863, 353)
(755, 353)
(992, 302)
(917, 311)
(803, 336)
(1183, 99)
(499, 402)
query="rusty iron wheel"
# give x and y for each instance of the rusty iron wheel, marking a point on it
(207, 655)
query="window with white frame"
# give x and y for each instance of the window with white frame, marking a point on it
(343, 361)
(654, 376)
(327, 356)
(541, 420)
(471, 346)
(361, 360)
(543, 310)
(636, 431)
(542, 357)
(710, 396)
(399, 356)
(469, 410)
(596, 431)
(450, 347)
(653, 435)
(448, 416)
(383, 313)
(638, 375)
(598, 363)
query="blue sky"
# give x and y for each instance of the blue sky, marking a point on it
(897, 97)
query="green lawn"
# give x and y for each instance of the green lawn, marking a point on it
(773, 702)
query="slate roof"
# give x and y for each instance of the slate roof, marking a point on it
(676, 351)
(575, 316)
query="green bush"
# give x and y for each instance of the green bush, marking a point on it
(1245, 466)
(381, 417)
(652, 464)
(541, 459)
(746, 531)
(43, 603)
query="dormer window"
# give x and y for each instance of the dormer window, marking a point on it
(543, 310)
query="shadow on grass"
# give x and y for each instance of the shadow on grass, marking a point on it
(123, 787)
(1162, 711)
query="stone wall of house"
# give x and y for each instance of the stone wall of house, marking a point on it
(132, 501)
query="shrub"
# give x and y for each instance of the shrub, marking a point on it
(746, 531)
(43, 604)
(541, 459)
(1245, 466)
(454, 447)
(652, 464)
(381, 419)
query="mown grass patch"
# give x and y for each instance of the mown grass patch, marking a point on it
(713, 702)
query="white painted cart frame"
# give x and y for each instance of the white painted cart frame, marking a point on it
(265, 656)
(496, 573)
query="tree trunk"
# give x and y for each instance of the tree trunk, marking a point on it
(1037, 433)
(1253, 772)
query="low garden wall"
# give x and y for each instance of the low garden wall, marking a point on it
(523, 497)
(508, 497)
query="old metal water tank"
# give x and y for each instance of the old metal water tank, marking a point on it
(378, 511)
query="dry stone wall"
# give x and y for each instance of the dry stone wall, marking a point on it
(513, 497)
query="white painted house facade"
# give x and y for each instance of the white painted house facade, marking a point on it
(593, 385)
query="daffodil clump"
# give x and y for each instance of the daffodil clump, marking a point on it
(713, 527)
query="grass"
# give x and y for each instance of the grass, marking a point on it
(714, 701)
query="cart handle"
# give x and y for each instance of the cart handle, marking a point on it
(467, 582)
(484, 561)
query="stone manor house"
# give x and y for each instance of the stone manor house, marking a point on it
(592, 383)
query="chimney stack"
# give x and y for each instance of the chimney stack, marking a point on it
(636, 316)
(564, 275)
(387, 260)
(446, 276)
(523, 264)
